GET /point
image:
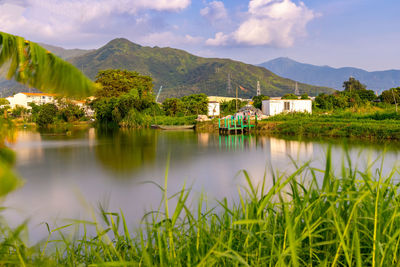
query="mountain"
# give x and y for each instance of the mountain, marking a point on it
(65, 53)
(332, 77)
(181, 73)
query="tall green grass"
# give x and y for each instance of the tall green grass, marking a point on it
(311, 217)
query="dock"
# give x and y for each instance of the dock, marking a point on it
(235, 125)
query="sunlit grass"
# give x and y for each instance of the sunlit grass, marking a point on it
(338, 216)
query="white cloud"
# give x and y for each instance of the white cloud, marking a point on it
(270, 22)
(169, 39)
(70, 18)
(220, 39)
(214, 11)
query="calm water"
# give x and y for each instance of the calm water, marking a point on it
(66, 174)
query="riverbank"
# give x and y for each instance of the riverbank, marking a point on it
(344, 217)
(377, 126)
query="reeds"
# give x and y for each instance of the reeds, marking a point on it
(311, 217)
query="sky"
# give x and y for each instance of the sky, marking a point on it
(338, 33)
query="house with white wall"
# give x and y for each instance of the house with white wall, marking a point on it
(213, 108)
(273, 107)
(23, 99)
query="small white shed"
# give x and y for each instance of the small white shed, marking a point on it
(213, 109)
(276, 106)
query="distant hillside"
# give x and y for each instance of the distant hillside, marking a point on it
(181, 73)
(65, 53)
(332, 77)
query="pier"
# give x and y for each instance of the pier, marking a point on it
(235, 125)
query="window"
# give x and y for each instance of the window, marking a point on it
(286, 106)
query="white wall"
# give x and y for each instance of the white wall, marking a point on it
(213, 109)
(276, 106)
(21, 99)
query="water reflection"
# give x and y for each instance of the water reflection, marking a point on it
(123, 151)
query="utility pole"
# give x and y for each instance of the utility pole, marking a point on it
(258, 88)
(236, 99)
(296, 89)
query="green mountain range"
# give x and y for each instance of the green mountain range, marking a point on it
(181, 73)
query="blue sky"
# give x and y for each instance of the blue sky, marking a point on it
(356, 33)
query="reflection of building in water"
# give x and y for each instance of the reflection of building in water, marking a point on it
(28, 146)
(295, 149)
(92, 137)
(203, 139)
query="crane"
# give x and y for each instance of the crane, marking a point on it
(159, 92)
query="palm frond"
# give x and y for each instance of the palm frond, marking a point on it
(32, 65)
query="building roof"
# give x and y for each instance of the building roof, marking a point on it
(38, 94)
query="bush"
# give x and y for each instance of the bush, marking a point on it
(47, 115)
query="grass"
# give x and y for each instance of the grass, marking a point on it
(375, 125)
(350, 218)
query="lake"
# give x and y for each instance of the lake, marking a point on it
(67, 176)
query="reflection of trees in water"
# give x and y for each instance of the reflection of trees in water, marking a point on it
(123, 151)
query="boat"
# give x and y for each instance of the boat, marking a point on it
(173, 127)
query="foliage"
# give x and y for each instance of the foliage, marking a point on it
(229, 107)
(32, 65)
(353, 85)
(195, 104)
(181, 73)
(104, 108)
(47, 115)
(173, 106)
(4, 101)
(69, 111)
(310, 217)
(257, 100)
(290, 96)
(118, 82)
(19, 111)
(391, 96)
(304, 96)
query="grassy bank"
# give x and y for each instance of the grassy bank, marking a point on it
(349, 218)
(379, 125)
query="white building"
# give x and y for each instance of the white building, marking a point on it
(213, 108)
(276, 106)
(23, 99)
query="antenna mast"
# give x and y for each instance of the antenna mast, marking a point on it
(296, 89)
(258, 88)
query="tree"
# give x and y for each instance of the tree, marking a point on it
(173, 106)
(257, 100)
(391, 96)
(290, 96)
(304, 96)
(195, 104)
(118, 82)
(47, 115)
(69, 111)
(4, 102)
(19, 111)
(353, 85)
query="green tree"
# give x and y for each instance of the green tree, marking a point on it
(69, 111)
(290, 96)
(391, 96)
(304, 96)
(104, 108)
(229, 107)
(19, 111)
(173, 106)
(353, 85)
(47, 115)
(195, 104)
(4, 102)
(257, 100)
(118, 82)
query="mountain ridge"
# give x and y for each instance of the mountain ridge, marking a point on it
(179, 72)
(330, 76)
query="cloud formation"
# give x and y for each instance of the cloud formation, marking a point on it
(78, 18)
(214, 11)
(269, 22)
